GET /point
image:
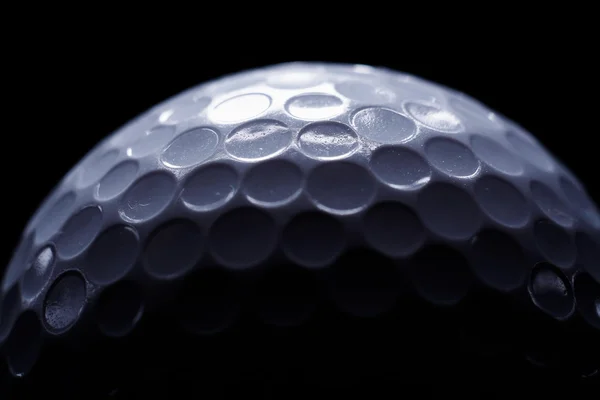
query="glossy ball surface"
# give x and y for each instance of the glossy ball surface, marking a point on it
(299, 165)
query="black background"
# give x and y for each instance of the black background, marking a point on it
(72, 91)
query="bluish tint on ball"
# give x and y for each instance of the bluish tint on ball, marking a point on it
(302, 162)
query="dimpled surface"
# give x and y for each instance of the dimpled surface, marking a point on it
(298, 165)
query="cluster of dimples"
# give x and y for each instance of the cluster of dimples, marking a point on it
(302, 162)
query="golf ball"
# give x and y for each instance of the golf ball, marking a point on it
(301, 165)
